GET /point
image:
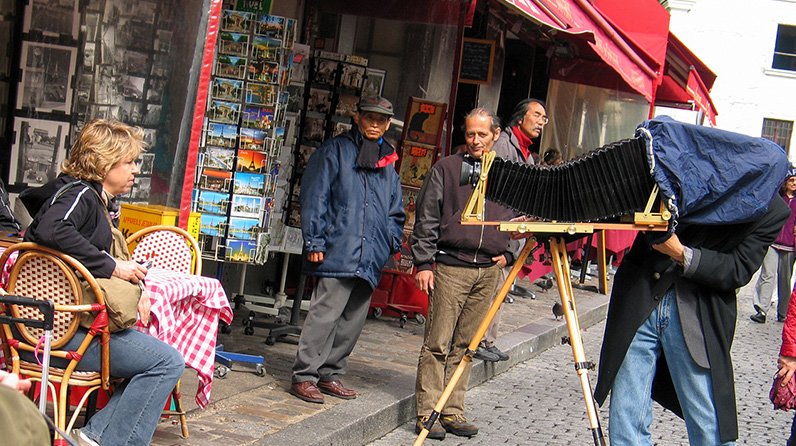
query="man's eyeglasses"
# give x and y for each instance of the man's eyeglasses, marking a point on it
(537, 116)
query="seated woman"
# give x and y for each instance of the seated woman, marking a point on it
(77, 222)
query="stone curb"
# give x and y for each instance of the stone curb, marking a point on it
(376, 413)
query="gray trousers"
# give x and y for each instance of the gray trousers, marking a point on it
(337, 313)
(781, 263)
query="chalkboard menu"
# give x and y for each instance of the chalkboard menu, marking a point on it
(476, 63)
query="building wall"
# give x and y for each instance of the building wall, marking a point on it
(736, 39)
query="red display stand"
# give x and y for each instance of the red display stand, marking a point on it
(398, 296)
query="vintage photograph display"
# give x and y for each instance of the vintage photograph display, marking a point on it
(46, 77)
(373, 85)
(52, 18)
(38, 151)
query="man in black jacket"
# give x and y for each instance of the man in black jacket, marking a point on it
(468, 262)
(670, 327)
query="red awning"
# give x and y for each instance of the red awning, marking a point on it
(578, 18)
(687, 81)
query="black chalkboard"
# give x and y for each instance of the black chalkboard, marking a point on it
(476, 64)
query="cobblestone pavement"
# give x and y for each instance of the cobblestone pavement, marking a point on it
(539, 401)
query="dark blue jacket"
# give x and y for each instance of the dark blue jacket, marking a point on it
(355, 216)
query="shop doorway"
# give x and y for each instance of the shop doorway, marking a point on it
(525, 75)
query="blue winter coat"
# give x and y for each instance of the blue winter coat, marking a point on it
(355, 216)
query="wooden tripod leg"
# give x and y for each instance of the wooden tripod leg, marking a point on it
(561, 268)
(468, 355)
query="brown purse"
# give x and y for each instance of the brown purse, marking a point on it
(121, 296)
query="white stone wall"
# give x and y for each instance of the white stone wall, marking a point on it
(736, 38)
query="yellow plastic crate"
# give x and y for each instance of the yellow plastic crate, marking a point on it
(139, 216)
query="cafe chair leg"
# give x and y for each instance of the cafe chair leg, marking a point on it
(178, 410)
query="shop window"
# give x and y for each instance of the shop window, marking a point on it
(785, 48)
(778, 131)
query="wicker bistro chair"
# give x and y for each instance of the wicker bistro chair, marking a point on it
(171, 248)
(167, 247)
(43, 273)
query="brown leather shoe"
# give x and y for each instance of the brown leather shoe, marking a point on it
(307, 391)
(335, 388)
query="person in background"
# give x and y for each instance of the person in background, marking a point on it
(458, 266)
(352, 219)
(786, 363)
(514, 143)
(552, 157)
(778, 262)
(77, 222)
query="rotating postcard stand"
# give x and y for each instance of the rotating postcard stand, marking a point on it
(474, 215)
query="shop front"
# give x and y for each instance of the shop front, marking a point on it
(234, 96)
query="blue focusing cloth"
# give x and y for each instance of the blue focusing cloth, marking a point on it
(711, 176)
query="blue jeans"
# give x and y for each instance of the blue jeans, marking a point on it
(150, 369)
(630, 413)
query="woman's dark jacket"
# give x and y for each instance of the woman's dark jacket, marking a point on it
(725, 258)
(76, 223)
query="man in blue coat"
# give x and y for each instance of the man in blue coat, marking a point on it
(352, 219)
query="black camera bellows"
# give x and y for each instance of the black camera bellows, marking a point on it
(603, 184)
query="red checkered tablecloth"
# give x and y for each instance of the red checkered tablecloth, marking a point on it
(185, 312)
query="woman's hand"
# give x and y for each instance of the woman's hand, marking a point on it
(129, 270)
(315, 257)
(144, 305)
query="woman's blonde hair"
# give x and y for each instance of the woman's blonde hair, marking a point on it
(100, 145)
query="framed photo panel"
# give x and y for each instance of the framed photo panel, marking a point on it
(53, 18)
(373, 85)
(46, 74)
(38, 151)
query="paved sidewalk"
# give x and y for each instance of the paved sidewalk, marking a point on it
(247, 409)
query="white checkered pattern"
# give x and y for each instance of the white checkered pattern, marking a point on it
(185, 313)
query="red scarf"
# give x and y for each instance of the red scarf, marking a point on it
(525, 142)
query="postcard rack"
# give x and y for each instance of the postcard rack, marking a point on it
(245, 129)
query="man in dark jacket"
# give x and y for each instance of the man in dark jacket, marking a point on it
(670, 327)
(352, 219)
(468, 263)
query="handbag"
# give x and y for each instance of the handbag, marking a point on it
(783, 396)
(121, 296)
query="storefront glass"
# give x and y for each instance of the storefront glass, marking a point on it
(583, 118)
(136, 61)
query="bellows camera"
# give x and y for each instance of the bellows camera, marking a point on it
(471, 171)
